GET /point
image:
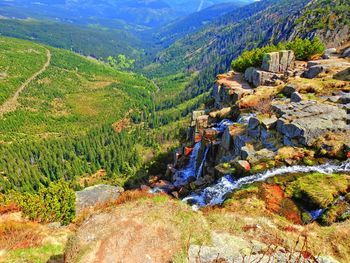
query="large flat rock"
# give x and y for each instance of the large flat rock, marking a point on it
(94, 195)
(306, 121)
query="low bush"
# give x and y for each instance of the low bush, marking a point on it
(304, 49)
(56, 203)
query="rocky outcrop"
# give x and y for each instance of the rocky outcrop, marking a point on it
(305, 121)
(97, 194)
(195, 115)
(199, 122)
(229, 88)
(259, 77)
(275, 65)
(315, 68)
(278, 62)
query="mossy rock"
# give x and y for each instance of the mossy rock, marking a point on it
(318, 190)
(245, 192)
(306, 217)
(308, 162)
(335, 213)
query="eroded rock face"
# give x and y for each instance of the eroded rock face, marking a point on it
(195, 115)
(279, 62)
(259, 77)
(306, 121)
(230, 88)
(94, 195)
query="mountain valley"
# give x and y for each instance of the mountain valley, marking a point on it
(175, 131)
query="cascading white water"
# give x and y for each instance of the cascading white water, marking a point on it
(181, 176)
(215, 194)
(199, 172)
(222, 125)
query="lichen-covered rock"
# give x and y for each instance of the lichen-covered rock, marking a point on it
(314, 71)
(229, 135)
(224, 113)
(93, 195)
(278, 62)
(242, 167)
(259, 77)
(306, 121)
(202, 122)
(315, 68)
(329, 52)
(269, 123)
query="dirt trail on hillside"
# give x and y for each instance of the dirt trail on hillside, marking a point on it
(11, 104)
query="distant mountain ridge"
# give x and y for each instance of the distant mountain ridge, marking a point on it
(150, 13)
(210, 50)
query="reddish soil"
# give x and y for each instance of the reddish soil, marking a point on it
(276, 202)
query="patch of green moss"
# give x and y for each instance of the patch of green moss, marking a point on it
(308, 162)
(318, 190)
(306, 217)
(335, 213)
(257, 168)
(226, 166)
(245, 192)
(280, 95)
(36, 254)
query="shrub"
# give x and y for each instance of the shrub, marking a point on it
(251, 58)
(303, 49)
(53, 204)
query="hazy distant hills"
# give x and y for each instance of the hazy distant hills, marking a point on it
(150, 13)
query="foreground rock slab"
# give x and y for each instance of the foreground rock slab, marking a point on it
(93, 195)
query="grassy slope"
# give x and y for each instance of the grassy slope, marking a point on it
(30, 56)
(74, 94)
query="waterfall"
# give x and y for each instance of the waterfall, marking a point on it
(244, 119)
(199, 172)
(215, 194)
(181, 176)
(222, 125)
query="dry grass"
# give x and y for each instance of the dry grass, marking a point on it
(15, 235)
(9, 208)
(261, 95)
(263, 106)
(125, 197)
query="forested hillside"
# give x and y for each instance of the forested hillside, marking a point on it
(209, 51)
(76, 117)
(95, 41)
(177, 29)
